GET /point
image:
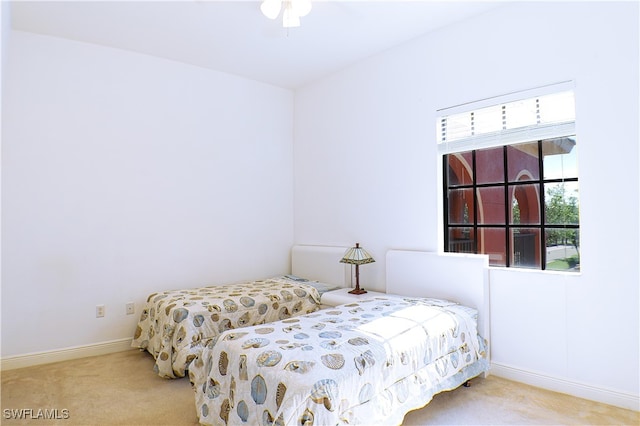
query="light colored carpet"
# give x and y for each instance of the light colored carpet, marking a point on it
(122, 389)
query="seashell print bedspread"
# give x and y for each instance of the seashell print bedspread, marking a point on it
(173, 324)
(368, 362)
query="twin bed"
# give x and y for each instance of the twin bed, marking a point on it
(175, 325)
(366, 362)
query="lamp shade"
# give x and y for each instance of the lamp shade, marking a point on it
(301, 7)
(271, 8)
(357, 256)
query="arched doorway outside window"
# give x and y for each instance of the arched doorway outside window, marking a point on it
(525, 210)
(460, 205)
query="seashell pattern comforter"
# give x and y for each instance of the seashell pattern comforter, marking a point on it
(174, 324)
(366, 363)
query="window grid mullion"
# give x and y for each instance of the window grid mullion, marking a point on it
(543, 232)
(475, 201)
(445, 180)
(507, 213)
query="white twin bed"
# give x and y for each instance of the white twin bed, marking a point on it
(175, 325)
(366, 362)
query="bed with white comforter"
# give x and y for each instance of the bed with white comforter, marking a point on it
(174, 324)
(368, 362)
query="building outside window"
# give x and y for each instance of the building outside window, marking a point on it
(510, 183)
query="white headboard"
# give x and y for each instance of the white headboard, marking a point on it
(320, 263)
(462, 278)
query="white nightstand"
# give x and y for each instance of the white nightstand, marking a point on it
(342, 296)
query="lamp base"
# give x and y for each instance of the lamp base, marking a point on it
(357, 291)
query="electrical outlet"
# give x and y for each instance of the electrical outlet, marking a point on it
(99, 311)
(131, 308)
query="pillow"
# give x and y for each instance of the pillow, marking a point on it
(320, 286)
(296, 278)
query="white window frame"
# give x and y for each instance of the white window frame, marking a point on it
(504, 137)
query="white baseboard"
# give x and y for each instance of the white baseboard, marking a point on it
(556, 384)
(65, 354)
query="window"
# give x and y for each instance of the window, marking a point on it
(518, 201)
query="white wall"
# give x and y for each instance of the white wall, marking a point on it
(124, 174)
(5, 31)
(367, 171)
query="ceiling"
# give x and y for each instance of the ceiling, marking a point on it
(234, 37)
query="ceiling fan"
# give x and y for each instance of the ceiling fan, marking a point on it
(293, 10)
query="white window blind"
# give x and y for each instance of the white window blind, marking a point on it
(521, 120)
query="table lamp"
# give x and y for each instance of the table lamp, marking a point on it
(357, 256)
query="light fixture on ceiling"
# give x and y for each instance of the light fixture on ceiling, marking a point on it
(293, 10)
